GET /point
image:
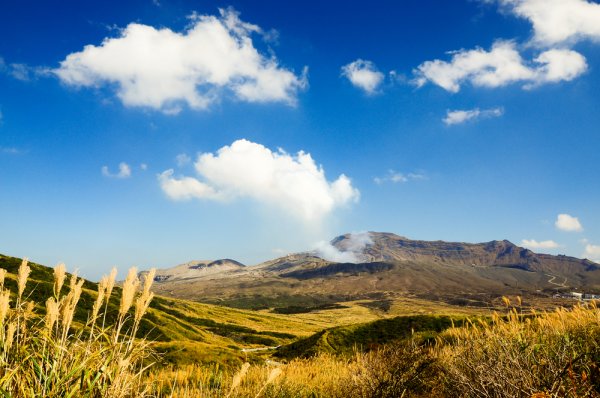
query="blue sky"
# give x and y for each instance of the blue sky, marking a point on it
(461, 121)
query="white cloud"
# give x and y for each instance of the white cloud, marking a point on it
(364, 75)
(124, 171)
(395, 177)
(22, 72)
(592, 252)
(462, 116)
(558, 65)
(534, 244)
(182, 159)
(351, 252)
(247, 169)
(186, 188)
(500, 66)
(161, 68)
(558, 21)
(568, 223)
(144, 166)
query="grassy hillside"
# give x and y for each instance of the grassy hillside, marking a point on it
(191, 332)
(366, 336)
(183, 331)
(549, 354)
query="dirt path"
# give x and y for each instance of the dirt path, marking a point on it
(259, 349)
(553, 277)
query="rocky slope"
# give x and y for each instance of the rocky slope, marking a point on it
(384, 265)
(197, 269)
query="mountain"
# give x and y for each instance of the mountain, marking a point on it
(384, 266)
(197, 269)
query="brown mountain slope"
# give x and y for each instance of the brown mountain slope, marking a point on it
(197, 269)
(387, 266)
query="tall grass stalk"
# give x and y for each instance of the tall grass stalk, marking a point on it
(51, 355)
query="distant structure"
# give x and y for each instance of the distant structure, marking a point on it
(578, 296)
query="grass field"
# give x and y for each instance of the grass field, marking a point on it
(190, 332)
(86, 339)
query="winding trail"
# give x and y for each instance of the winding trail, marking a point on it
(553, 277)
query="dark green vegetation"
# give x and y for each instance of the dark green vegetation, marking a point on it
(237, 333)
(298, 309)
(345, 340)
(297, 303)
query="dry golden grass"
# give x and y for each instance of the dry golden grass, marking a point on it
(47, 357)
(322, 376)
(551, 354)
(46, 353)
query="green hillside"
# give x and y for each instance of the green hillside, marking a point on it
(186, 332)
(365, 336)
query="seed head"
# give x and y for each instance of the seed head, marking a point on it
(148, 279)
(141, 305)
(59, 278)
(100, 297)
(23, 274)
(130, 287)
(51, 313)
(10, 334)
(273, 375)
(4, 305)
(239, 376)
(2, 276)
(110, 283)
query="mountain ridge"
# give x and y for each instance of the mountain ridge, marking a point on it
(385, 264)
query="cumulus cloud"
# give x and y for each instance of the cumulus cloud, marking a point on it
(124, 171)
(534, 244)
(462, 116)
(162, 69)
(395, 177)
(364, 75)
(558, 21)
(568, 223)
(246, 169)
(592, 252)
(500, 66)
(351, 250)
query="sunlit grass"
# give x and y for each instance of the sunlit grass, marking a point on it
(550, 354)
(49, 356)
(47, 350)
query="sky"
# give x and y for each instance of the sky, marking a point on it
(155, 132)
